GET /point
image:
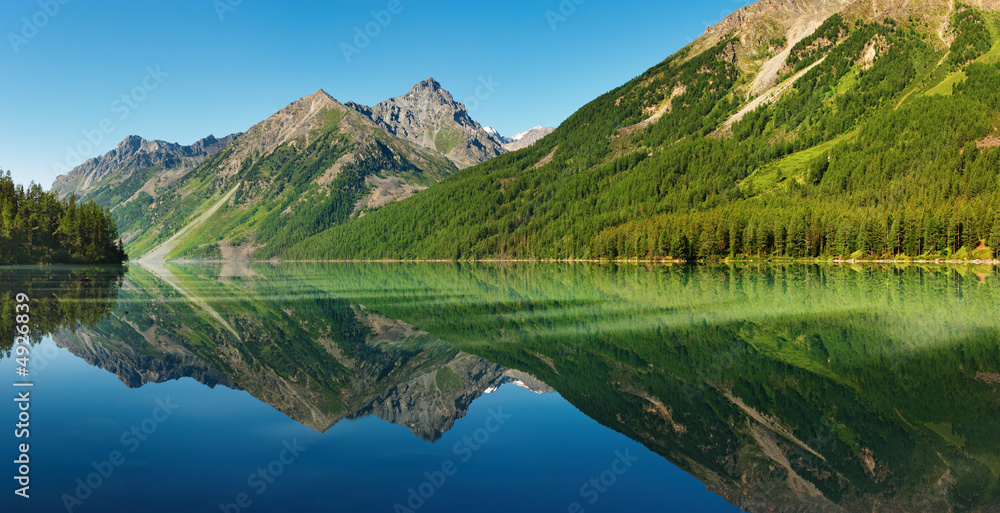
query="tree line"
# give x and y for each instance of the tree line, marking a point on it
(37, 228)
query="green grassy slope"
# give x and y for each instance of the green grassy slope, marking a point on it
(282, 197)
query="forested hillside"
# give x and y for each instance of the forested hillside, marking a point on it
(880, 140)
(37, 228)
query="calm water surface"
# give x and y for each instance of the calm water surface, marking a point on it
(444, 387)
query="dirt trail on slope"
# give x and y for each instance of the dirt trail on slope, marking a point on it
(770, 96)
(946, 24)
(159, 253)
(769, 71)
(159, 269)
(154, 261)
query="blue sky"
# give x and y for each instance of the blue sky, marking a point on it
(78, 77)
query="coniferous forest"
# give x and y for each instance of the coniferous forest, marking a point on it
(37, 228)
(892, 156)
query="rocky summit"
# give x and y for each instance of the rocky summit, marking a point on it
(428, 115)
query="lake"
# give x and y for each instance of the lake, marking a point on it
(445, 387)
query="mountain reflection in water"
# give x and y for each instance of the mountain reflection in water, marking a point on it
(795, 388)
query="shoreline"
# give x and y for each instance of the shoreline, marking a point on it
(938, 261)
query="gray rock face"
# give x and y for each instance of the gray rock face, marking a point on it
(135, 369)
(428, 115)
(134, 154)
(428, 405)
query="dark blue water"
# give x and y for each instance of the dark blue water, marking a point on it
(203, 455)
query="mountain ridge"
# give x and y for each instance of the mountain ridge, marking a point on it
(133, 154)
(323, 161)
(313, 161)
(660, 168)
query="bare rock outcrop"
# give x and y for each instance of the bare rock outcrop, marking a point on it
(429, 116)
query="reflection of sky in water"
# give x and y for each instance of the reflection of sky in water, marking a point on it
(203, 454)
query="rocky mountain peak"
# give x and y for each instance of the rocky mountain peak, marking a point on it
(211, 144)
(308, 105)
(527, 138)
(758, 23)
(428, 115)
(427, 85)
(298, 119)
(319, 96)
(132, 141)
(135, 144)
(430, 90)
